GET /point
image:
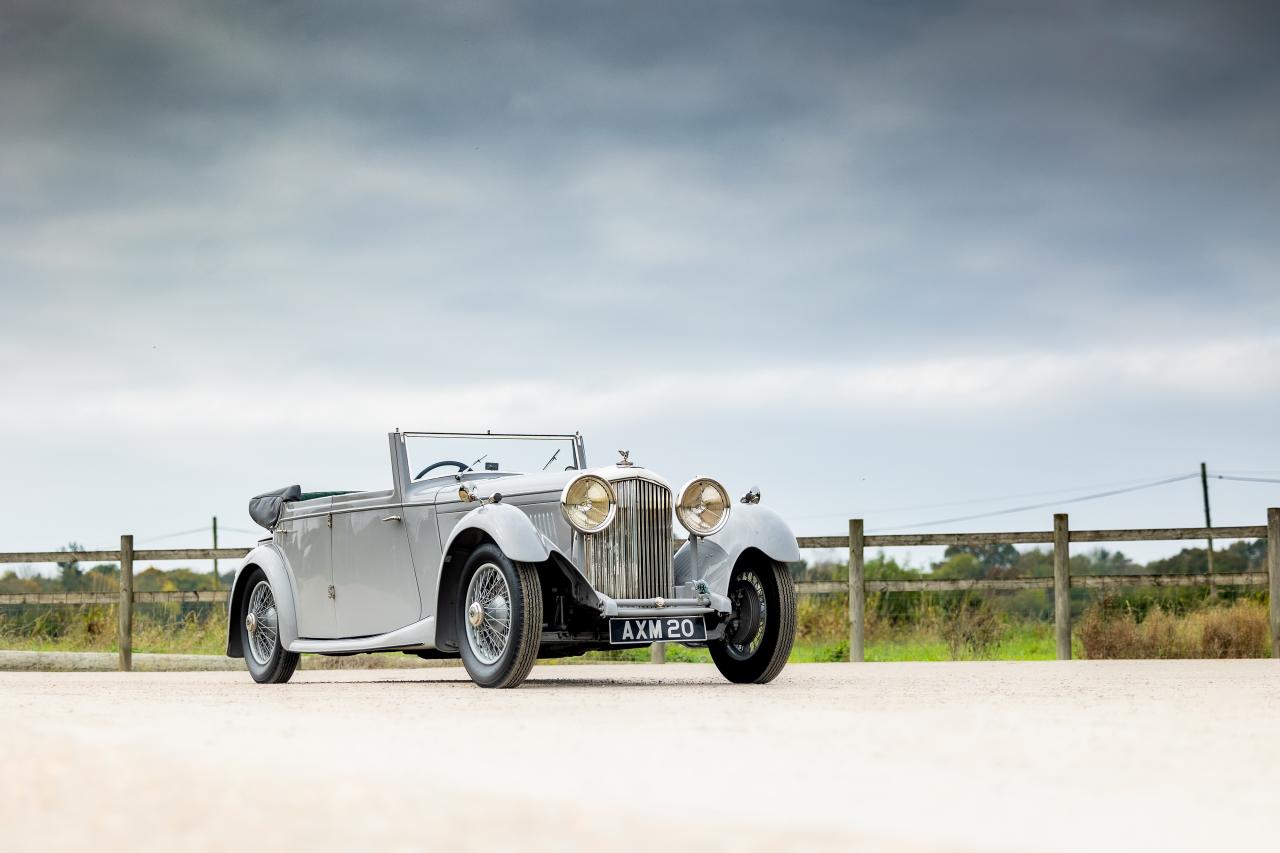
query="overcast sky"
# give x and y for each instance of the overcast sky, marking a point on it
(864, 255)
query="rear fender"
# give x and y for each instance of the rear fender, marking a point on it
(750, 526)
(268, 558)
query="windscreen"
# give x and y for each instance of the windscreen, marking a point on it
(445, 455)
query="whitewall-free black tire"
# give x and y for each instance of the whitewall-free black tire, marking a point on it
(499, 618)
(259, 620)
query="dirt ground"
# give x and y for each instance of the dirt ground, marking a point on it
(1107, 755)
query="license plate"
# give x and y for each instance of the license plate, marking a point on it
(667, 629)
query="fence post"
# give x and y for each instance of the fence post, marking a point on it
(126, 603)
(658, 653)
(857, 590)
(216, 580)
(1062, 585)
(1273, 576)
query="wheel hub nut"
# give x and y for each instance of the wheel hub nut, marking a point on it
(251, 623)
(475, 614)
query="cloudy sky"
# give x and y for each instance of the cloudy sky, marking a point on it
(904, 261)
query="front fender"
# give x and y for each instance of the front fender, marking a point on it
(517, 537)
(510, 528)
(268, 558)
(749, 526)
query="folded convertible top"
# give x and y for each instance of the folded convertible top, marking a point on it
(265, 508)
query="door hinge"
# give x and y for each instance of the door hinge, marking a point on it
(333, 593)
(328, 521)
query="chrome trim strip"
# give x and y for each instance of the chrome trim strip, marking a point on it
(655, 613)
(518, 500)
(339, 512)
(653, 602)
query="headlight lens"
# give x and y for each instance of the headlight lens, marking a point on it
(703, 507)
(588, 503)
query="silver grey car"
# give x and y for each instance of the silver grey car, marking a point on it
(504, 548)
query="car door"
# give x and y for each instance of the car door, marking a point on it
(306, 542)
(424, 546)
(373, 572)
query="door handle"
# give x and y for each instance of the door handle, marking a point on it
(392, 518)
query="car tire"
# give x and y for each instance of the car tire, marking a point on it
(499, 618)
(759, 657)
(264, 654)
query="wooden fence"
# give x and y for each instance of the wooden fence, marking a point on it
(1060, 537)
(856, 542)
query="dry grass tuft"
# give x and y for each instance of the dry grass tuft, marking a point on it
(822, 618)
(973, 630)
(1232, 631)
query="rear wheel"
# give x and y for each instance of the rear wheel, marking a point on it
(265, 655)
(500, 617)
(759, 634)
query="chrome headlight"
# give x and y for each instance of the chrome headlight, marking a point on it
(703, 507)
(588, 503)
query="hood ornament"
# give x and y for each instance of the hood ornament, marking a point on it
(625, 462)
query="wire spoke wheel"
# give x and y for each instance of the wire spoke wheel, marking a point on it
(262, 624)
(498, 618)
(488, 609)
(260, 643)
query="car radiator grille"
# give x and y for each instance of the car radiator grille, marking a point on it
(633, 557)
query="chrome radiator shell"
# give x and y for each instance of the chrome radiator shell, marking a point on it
(633, 558)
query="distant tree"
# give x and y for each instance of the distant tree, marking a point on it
(1244, 557)
(1104, 562)
(1034, 563)
(104, 577)
(1188, 561)
(963, 566)
(69, 570)
(995, 559)
(882, 568)
(20, 581)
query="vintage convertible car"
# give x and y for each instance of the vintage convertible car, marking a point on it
(520, 554)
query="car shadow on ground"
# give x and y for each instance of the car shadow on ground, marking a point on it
(531, 684)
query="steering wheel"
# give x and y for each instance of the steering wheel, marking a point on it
(461, 466)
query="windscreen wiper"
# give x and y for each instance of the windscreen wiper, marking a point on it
(474, 464)
(552, 459)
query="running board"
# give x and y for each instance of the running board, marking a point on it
(419, 635)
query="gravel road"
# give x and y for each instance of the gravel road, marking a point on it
(1107, 755)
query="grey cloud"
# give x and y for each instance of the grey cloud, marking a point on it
(821, 181)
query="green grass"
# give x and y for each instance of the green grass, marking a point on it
(906, 649)
(94, 629)
(96, 632)
(1016, 641)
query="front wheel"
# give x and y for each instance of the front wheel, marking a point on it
(500, 617)
(760, 632)
(265, 655)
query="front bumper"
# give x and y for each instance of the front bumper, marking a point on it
(691, 599)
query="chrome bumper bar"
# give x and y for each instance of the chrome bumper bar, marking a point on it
(652, 612)
(700, 601)
(697, 604)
